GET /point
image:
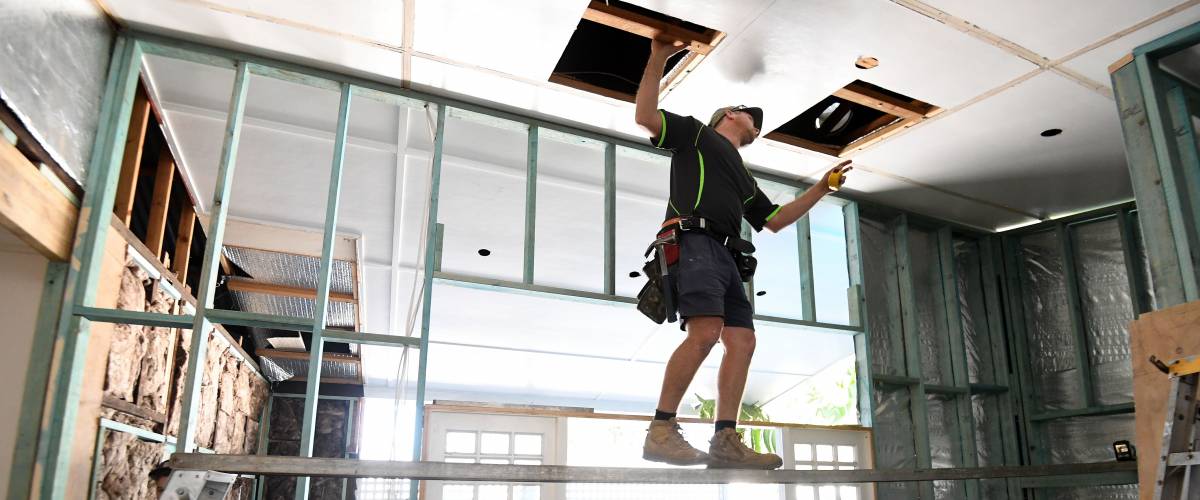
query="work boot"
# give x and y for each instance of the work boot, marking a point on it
(665, 443)
(727, 451)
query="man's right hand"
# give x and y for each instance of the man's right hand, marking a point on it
(663, 49)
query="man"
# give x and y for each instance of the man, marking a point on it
(710, 186)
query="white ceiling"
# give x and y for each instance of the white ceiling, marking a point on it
(980, 163)
(783, 56)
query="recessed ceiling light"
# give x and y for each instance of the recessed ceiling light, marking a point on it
(866, 62)
(634, 274)
(484, 252)
(1051, 132)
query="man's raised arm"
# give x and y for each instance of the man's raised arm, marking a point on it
(646, 102)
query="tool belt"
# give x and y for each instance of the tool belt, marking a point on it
(656, 299)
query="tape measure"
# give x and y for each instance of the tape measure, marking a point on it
(835, 181)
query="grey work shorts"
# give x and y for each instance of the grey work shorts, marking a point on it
(707, 283)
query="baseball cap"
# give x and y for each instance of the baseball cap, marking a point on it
(755, 113)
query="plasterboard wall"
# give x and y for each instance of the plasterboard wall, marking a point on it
(24, 271)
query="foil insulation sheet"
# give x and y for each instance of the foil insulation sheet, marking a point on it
(340, 314)
(968, 275)
(1111, 492)
(1107, 308)
(278, 369)
(985, 413)
(894, 447)
(931, 318)
(1047, 323)
(55, 57)
(1087, 439)
(943, 434)
(878, 247)
(300, 271)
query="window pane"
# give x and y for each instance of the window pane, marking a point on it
(458, 492)
(528, 444)
(526, 492)
(778, 263)
(824, 453)
(848, 492)
(501, 461)
(804, 452)
(643, 185)
(825, 467)
(569, 239)
(494, 443)
(460, 442)
(846, 467)
(804, 467)
(483, 196)
(527, 461)
(459, 460)
(845, 454)
(830, 276)
(828, 493)
(805, 492)
(755, 491)
(493, 492)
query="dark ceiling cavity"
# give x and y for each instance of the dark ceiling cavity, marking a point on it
(608, 51)
(484, 252)
(853, 117)
(1051, 132)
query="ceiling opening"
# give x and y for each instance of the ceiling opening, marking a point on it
(853, 118)
(609, 49)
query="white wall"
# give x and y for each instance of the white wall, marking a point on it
(22, 272)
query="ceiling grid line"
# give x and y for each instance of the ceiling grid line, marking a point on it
(1002, 43)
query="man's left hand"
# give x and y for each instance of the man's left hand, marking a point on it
(839, 171)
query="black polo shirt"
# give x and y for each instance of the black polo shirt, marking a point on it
(708, 177)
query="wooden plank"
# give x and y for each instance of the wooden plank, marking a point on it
(648, 27)
(881, 102)
(1120, 63)
(253, 286)
(164, 177)
(587, 413)
(132, 160)
(881, 134)
(344, 467)
(1166, 334)
(562, 79)
(303, 356)
(183, 242)
(32, 208)
(802, 143)
(132, 409)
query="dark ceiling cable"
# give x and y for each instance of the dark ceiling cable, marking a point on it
(613, 75)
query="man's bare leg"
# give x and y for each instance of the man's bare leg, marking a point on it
(664, 441)
(702, 334)
(726, 448)
(735, 366)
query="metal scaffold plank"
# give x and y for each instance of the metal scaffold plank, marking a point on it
(431, 471)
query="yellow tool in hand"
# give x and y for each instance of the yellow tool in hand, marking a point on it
(837, 175)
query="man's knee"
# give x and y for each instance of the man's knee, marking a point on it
(705, 331)
(738, 339)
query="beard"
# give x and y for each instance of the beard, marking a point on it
(748, 138)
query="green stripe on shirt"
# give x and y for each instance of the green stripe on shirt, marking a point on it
(662, 133)
(768, 219)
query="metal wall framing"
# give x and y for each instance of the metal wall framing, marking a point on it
(1041, 411)
(1156, 111)
(56, 438)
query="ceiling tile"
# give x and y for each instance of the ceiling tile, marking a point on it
(865, 184)
(379, 20)
(1094, 63)
(1053, 29)
(993, 151)
(797, 53)
(524, 37)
